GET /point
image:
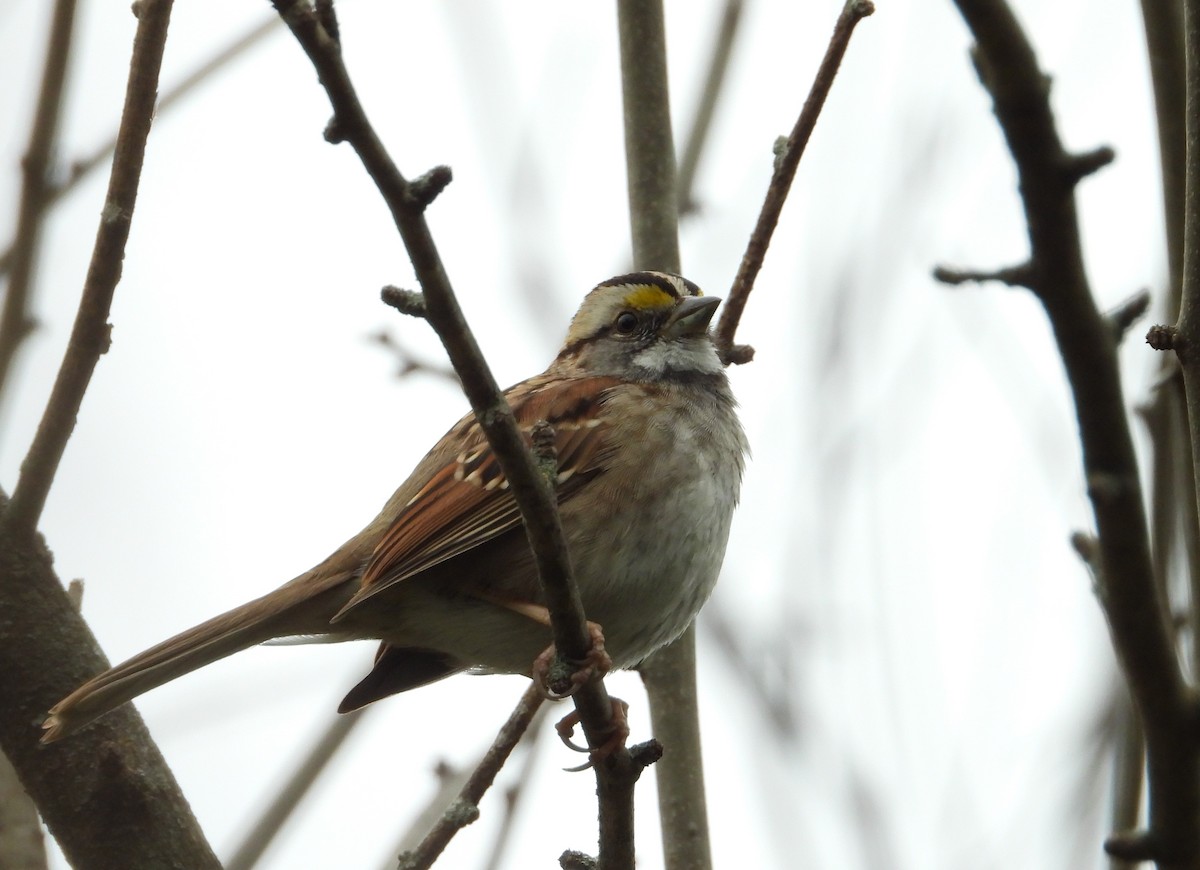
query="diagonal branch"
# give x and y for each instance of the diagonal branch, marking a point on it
(108, 796)
(781, 181)
(315, 29)
(465, 808)
(81, 167)
(710, 93)
(15, 321)
(1137, 614)
(90, 333)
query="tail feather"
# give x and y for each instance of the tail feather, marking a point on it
(298, 608)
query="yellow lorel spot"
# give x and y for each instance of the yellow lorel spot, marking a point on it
(649, 296)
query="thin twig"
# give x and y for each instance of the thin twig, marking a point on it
(407, 362)
(465, 809)
(15, 320)
(1127, 770)
(90, 333)
(81, 167)
(1014, 276)
(710, 93)
(533, 492)
(1163, 21)
(514, 794)
(781, 181)
(107, 796)
(1136, 611)
(268, 825)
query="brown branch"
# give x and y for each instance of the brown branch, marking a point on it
(465, 809)
(90, 334)
(649, 143)
(533, 492)
(1014, 276)
(1137, 613)
(107, 796)
(81, 167)
(15, 321)
(513, 796)
(408, 302)
(408, 363)
(674, 713)
(1163, 21)
(1122, 317)
(654, 227)
(781, 181)
(269, 824)
(710, 93)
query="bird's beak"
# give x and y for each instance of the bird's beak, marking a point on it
(691, 316)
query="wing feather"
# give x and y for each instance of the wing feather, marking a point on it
(467, 502)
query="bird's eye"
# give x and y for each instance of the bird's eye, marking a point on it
(626, 322)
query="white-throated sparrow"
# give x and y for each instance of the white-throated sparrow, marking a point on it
(650, 459)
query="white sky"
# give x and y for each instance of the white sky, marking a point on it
(899, 567)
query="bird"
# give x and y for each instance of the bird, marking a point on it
(650, 457)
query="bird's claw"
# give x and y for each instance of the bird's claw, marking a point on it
(617, 735)
(557, 687)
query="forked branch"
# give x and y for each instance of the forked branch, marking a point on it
(1087, 341)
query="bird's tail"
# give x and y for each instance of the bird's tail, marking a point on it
(301, 607)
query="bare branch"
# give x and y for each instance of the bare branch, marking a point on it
(649, 143)
(289, 796)
(1077, 167)
(81, 167)
(465, 809)
(408, 302)
(514, 794)
(697, 137)
(1163, 20)
(15, 320)
(785, 170)
(90, 334)
(1136, 610)
(1133, 309)
(408, 363)
(654, 225)
(533, 492)
(1014, 276)
(107, 796)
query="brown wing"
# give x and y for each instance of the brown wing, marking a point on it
(467, 502)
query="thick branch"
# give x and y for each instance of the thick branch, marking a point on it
(649, 144)
(1136, 611)
(106, 794)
